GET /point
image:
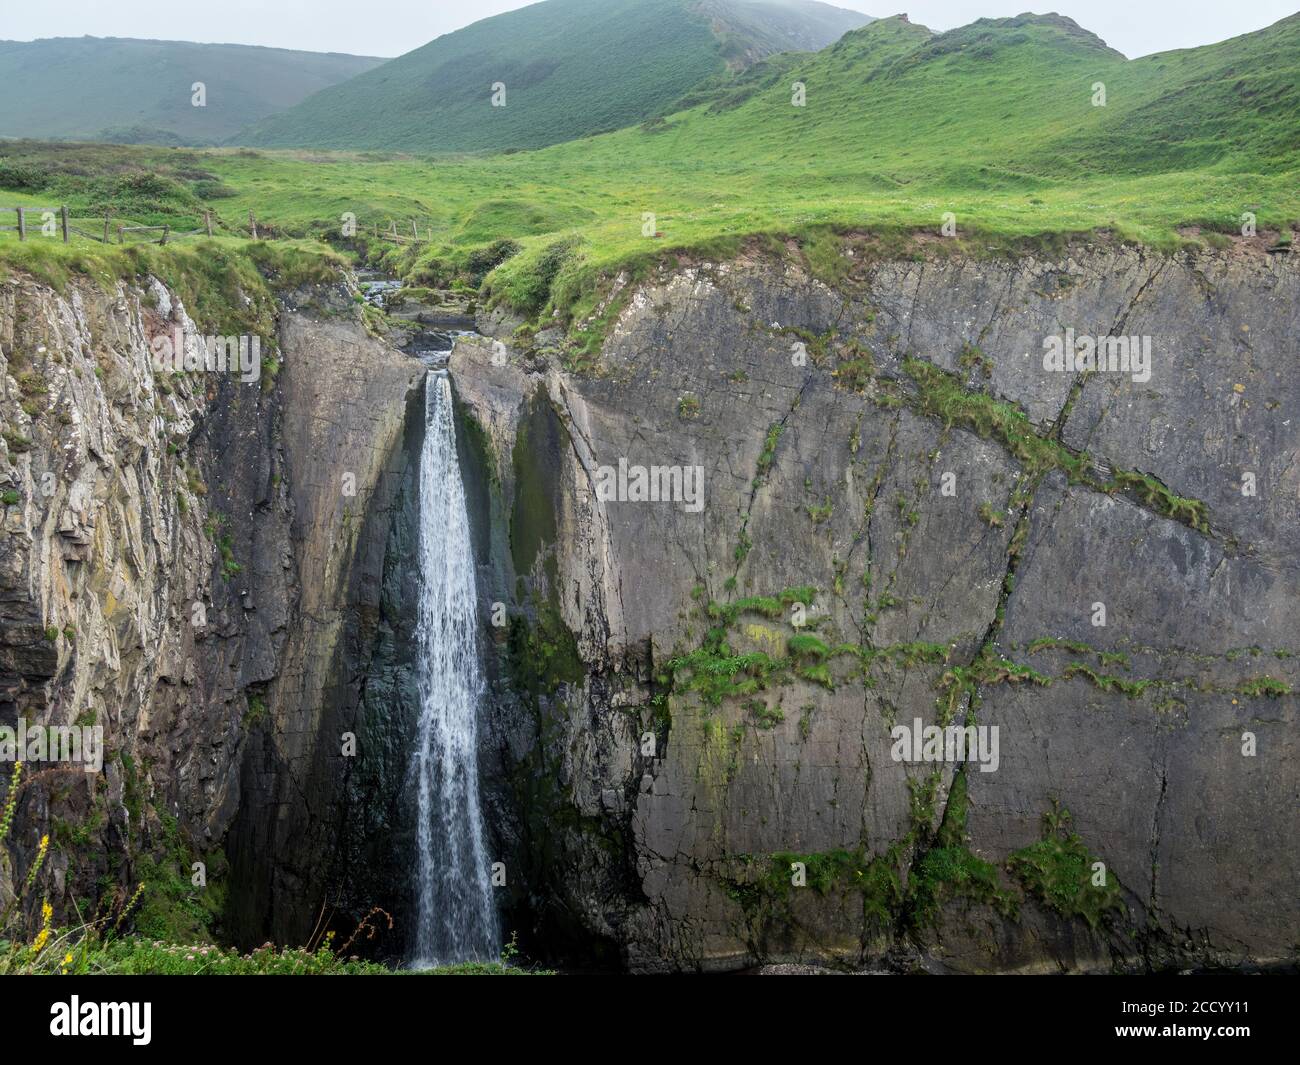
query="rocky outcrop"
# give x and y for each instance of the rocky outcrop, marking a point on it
(115, 614)
(905, 517)
(192, 562)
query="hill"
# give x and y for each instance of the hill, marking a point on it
(136, 91)
(999, 123)
(570, 68)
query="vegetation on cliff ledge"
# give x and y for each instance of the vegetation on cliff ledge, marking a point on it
(902, 899)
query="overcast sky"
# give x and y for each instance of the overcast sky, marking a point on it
(391, 27)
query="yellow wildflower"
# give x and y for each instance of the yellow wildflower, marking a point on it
(43, 936)
(40, 860)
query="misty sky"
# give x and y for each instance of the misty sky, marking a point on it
(391, 27)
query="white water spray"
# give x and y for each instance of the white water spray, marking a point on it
(455, 916)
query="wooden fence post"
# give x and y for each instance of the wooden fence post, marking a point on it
(63, 211)
(107, 216)
(252, 224)
(22, 223)
(121, 234)
(166, 231)
(207, 221)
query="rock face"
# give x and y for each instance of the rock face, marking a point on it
(352, 426)
(873, 506)
(192, 562)
(906, 516)
(114, 612)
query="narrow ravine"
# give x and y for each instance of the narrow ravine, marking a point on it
(455, 917)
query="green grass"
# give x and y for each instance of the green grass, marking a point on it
(1058, 871)
(1106, 682)
(992, 122)
(1269, 687)
(942, 395)
(769, 891)
(136, 955)
(228, 285)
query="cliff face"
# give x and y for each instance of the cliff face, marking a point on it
(351, 432)
(190, 562)
(670, 746)
(104, 554)
(689, 750)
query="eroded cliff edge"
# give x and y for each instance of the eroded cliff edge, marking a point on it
(664, 743)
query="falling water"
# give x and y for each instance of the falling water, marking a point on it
(456, 921)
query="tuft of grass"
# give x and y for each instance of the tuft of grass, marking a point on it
(1058, 871)
(768, 453)
(805, 645)
(256, 713)
(1107, 683)
(1267, 687)
(1155, 495)
(949, 870)
(941, 395)
(765, 716)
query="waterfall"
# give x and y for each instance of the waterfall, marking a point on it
(455, 916)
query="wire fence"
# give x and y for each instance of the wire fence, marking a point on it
(58, 222)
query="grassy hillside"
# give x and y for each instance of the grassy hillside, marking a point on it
(139, 91)
(993, 122)
(570, 68)
(750, 30)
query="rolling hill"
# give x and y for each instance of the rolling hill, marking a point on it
(998, 123)
(570, 68)
(995, 122)
(135, 91)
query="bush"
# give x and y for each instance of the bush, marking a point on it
(482, 261)
(526, 286)
(17, 177)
